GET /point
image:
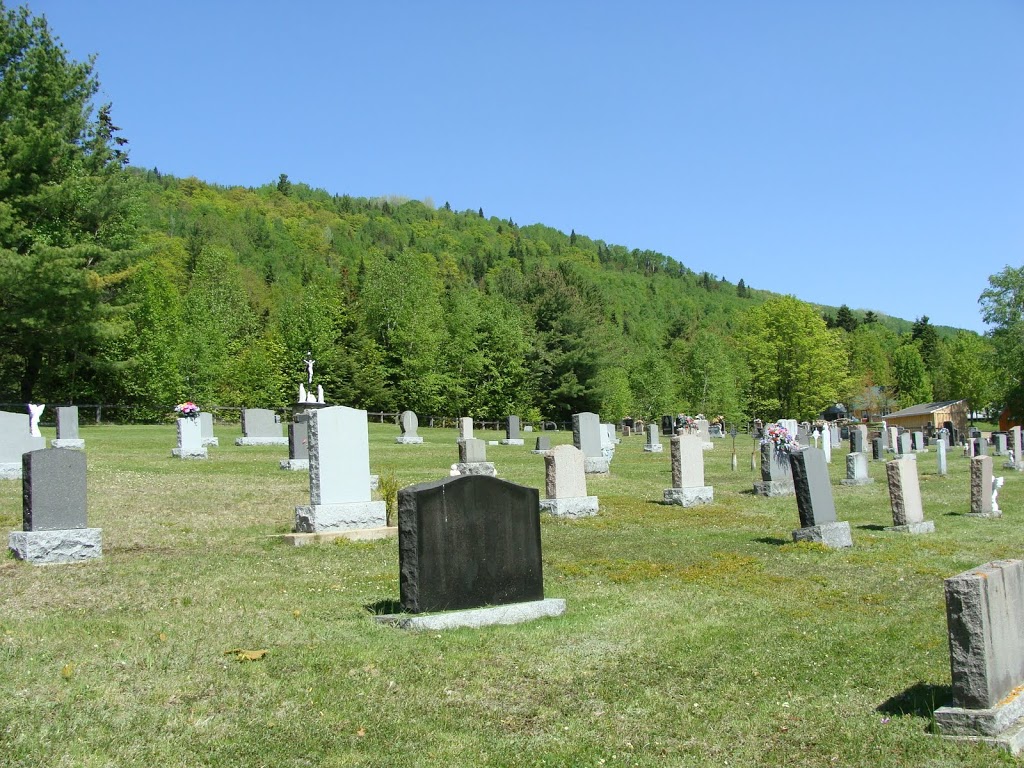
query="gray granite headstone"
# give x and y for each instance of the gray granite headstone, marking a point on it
(1016, 444)
(261, 423)
(53, 490)
(15, 440)
(776, 474)
(813, 489)
(298, 437)
(409, 424)
(985, 621)
(814, 501)
(981, 487)
(980, 446)
(940, 447)
(653, 444)
(465, 428)
(339, 473)
(543, 444)
(878, 449)
(905, 448)
(905, 497)
(688, 488)
(917, 442)
(586, 435)
(54, 527)
(856, 441)
(857, 468)
(190, 439)
(472, 451)
(468, 542)
(512, 428)
(999, 444)
(67, 422)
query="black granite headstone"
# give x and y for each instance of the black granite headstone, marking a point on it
(468, 542)
(856, 441)
(298, 437)
(512, 428)
(877, 449)
(53, 490)
(813, 489)
(668, 426)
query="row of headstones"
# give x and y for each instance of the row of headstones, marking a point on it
(449, 527)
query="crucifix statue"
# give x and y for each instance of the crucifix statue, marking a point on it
(309, 365)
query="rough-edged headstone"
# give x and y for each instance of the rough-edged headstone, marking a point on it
(814, 501)
(206, 429)
(298, 443)
(586, 435)
(905, 497)
(608, 441)
(512, 435)
(16, 439)
(776, 474)
(67, 429)
(981, 488)
(688, 489)
(473, 459)
(543, 445)
(566, 484)
(857, 469)
(985, 622)
(190, 439)
(54, 522)
(1016, 449)
(261, 426)
(339, 474)
(409, 425)
(468, 542)
(465, 428)
(653, 444)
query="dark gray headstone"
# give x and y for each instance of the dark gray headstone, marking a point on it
(512, 428)
(980, 446)
(878, 449)
(775, 464)
(668, 426)
(53, 490)
(298, 437)
(468, 542)
(67, 422)
(856, 441)
(813, 488)
(543, 443)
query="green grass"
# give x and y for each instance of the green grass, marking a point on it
(692, 637)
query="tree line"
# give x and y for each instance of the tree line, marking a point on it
(132, 287)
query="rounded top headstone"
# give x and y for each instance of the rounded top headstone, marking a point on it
(408, 422)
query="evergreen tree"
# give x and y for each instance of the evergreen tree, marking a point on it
(66, 209)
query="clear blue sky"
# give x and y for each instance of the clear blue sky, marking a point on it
(868, 153)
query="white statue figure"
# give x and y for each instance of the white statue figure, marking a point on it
(34, 412)
(320, 393)
(997, 483)
(302, 392)
(309, 365)
(816, 436)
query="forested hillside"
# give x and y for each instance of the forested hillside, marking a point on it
(128, 287)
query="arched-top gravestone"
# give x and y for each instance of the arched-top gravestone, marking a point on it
(408, 424)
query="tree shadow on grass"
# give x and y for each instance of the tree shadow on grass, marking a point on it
(920, 699)
(773, 540)
(871, 527)
(384, 607)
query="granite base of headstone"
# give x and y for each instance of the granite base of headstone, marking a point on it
(596, 465)
(295, 465)
(261, 441)
(512, 441)
(689, 497)
(857, 470)
(74, 444)
(54, 523)
(985, 621)
(814, 501)
(473, 459)
(470, 548)
(189, 440)
(474, 468)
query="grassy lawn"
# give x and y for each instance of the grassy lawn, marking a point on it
(692, 637)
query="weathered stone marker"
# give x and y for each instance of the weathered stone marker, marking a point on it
(1016, 449)
(985, 619)
(776, 475)
(858, 438)
(54, 523)
(814, 501)
(512, 435)
(465, 428)
(543, 445)
(298, 443)
(857, 469)
(16, 439)
(905, 498)
(653, 444)
(565, 484)
(878, 449)
(206, 430)
(940, 452)
(688, 489)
